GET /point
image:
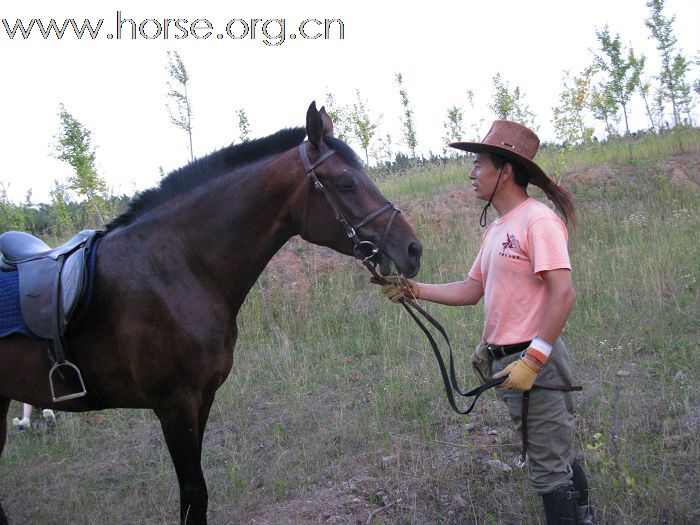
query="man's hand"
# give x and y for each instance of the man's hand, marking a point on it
(397, 287)
(521, 374)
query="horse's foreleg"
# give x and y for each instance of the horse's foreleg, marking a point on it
(4, 406)
(182, 425)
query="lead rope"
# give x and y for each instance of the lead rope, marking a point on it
(449, 382)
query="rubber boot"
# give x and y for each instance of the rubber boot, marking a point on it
(586, 515)
(560, 505)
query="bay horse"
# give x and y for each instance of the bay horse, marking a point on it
(173, 271)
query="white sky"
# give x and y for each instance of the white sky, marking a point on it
(116, 88)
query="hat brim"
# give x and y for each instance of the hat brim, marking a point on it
(537, 174)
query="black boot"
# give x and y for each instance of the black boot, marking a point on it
(586, 516)
(560, 505)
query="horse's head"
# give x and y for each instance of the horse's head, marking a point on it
(345, 210)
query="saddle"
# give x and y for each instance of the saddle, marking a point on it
(52, 283)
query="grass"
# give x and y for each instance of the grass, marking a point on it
(335, 396)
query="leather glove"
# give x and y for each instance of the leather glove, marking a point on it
(397, 287)
(521, 374)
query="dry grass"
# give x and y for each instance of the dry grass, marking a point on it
(334, 412)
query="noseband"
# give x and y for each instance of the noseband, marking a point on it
(366, 251)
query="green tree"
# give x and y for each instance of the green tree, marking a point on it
(340, 115)
(73, 145)
(476, 125)
(453, 125)
(510, 105)
(623, 72)
(568, 115)
(243, 125)
(382, 151)
(407, 125)
(11, 216)
(604, 109)
(61, 219)
(180, 110)
(674, 66)
(362, 125)
(644, 91)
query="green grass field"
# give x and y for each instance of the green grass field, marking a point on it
(334, 411)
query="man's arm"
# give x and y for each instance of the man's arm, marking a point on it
(460, 293)
(560, 301)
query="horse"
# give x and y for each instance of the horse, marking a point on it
(172, 272)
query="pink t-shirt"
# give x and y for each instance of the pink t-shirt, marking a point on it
(527, 240)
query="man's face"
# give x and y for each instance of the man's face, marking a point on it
(484, 176)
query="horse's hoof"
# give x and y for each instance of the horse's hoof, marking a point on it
(49, 417)
(22, 424)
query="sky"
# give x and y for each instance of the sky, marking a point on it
(116, 86)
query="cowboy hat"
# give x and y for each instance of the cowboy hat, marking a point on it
(513, 141)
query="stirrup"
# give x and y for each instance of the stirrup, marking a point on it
(55, 367)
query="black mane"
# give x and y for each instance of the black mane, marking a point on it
(198, 172)
(194, 174)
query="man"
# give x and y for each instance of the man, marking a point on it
(524, 274)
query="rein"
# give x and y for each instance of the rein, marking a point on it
(366, 251)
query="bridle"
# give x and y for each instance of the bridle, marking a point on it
(364, 250)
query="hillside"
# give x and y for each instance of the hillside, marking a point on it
(334, 412)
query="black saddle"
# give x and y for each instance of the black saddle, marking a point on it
(52, 283)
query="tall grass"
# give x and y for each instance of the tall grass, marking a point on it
(334, 388)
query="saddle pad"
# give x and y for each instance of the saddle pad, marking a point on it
(11, 321)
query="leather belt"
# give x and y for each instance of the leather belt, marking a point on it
(501, 351)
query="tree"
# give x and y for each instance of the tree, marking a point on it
(623, 72)
(73, 145)
(510, 105)
(453, 125)
(568, 115)
(475, 125)
(644, 90)
(11, 217)
(181, 109)
(407, 125)
(382, 151)
(61, 217)
(340, 115)
(604, 109)
(674, 66)
(243, 125)
(362, 126)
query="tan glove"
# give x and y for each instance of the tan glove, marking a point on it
(397, 287)
(521, 374)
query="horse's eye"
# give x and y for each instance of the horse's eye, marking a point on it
(345, 183)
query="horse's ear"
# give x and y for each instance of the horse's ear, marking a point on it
(314, 126)
(327, 122)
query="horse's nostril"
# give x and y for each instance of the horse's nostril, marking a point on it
(415, 250)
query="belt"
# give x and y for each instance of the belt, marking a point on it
(501, 351)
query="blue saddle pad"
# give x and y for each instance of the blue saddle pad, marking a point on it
(11, 321)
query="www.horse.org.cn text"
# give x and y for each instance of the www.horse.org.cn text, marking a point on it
(270, 31)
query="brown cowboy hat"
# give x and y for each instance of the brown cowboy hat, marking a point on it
(513, 141)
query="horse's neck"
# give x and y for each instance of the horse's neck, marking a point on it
(228, 232)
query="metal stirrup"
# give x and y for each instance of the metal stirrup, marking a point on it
(75, 395)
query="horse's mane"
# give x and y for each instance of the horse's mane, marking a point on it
(198, 172)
